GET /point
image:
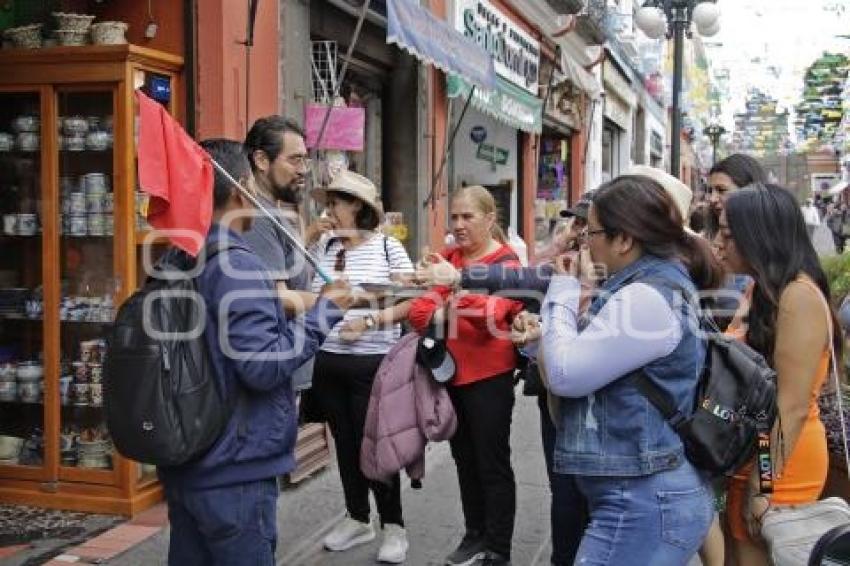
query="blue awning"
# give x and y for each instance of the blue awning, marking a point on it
(434, 42)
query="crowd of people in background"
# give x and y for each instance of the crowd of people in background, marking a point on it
(623, 491)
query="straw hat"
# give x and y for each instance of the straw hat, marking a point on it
(353, 184)
(679, 191)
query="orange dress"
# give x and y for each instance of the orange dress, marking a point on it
(804, 475)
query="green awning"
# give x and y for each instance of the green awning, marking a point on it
(508, 103)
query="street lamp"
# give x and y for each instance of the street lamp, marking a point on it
(653, 19)
(714, 131)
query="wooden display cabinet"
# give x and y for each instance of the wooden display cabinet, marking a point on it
(70, 250)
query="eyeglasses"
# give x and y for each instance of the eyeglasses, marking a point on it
(339, 265)
(586, 234)
(302, 160)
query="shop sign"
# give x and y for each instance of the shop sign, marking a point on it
(515, 53)
(478, 134)
(493, 154)
(506, 103)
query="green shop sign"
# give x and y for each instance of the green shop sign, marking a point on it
(507, 103)
(492, 154)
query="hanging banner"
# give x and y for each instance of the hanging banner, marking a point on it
(434, 42)
(515, 53)
(506, 103)
(346, 129)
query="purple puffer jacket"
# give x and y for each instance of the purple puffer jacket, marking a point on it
(407, 408)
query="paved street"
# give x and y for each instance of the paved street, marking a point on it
(432, 514)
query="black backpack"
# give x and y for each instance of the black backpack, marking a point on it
(735, 405)
(162, 398)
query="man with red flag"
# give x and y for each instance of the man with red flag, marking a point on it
(222, 507)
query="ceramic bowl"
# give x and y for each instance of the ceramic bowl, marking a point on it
(8, 390)
(28, 141)
(75, 125)
(75, 143)
(29, 372)
(7, 141)
(26, 123)
(79, 23)
(28, 37)
(108, 33)
(10, 446)
(70, 38)
(97, 141)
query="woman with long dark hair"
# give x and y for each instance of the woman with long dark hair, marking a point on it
(762, 234)
(647, 503)
(726, 176)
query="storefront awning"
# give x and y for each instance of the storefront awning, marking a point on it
(576, 74)
(506, 103)
(436, 43)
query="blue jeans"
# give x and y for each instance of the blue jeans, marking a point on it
(568, 509)
(226, 526)
(658, 519)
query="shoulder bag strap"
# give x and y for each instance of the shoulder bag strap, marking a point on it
(660, 399)
(839, 394)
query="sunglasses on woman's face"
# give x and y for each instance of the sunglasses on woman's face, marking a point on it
(339, 265)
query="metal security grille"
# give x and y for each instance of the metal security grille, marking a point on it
(323, 60)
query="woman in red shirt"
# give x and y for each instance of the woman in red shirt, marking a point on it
(482, 389)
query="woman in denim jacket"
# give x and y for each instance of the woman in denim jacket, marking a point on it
(648, 504)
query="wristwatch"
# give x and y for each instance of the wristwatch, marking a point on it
(370, 321)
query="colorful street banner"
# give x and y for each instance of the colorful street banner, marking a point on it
(435, 42)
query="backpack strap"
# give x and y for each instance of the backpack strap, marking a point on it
(660, 399)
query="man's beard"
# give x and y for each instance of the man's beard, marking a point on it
(291, 193)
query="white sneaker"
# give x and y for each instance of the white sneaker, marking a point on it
(349, 533)
(394, 547)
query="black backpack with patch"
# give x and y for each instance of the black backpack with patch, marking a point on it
(163, 400)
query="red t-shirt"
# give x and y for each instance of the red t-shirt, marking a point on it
(478, 354)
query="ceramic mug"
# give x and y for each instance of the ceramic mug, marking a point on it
(77, 202)
(27, 224)
(10, 224)
(96, 393)
(81, 393)
(96, 224)
(95, 372)
(29, 391)
(7, 141)
(81, 372)
(77, 224)
(65, 385)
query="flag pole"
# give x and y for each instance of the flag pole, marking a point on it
(276, 221)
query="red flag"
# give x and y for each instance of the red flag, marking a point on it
(177, 174)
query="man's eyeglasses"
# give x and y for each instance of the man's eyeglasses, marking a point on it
(339, 265)
(302, 160)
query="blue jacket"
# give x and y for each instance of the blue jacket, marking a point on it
(616, 431)
(255, 351)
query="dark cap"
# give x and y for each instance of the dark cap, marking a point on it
(433, 354)
(579, 209)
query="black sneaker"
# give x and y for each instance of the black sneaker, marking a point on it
(494, 559)
(470, 550)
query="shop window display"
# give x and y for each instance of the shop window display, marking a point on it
(553, 186)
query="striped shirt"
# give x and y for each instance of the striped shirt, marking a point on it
(369, 262)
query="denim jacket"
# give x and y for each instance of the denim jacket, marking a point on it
(616, 431)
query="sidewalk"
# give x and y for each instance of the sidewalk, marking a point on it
(432, 514)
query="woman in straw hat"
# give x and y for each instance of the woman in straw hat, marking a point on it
(349, 359)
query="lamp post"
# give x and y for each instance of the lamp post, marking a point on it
(673, 18)
(714, 132)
